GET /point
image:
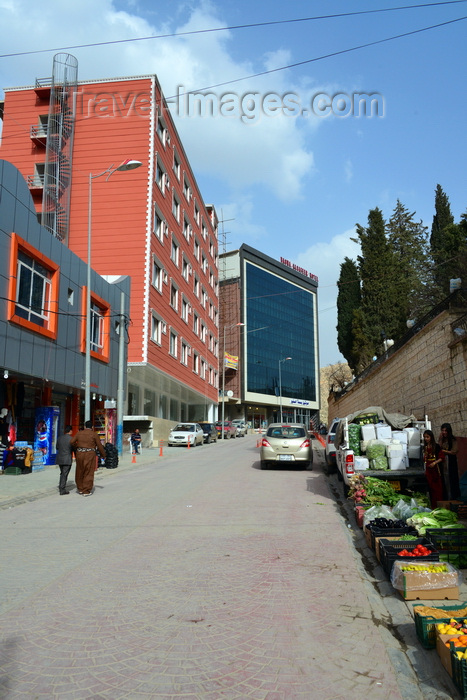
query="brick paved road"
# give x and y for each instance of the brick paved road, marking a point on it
(195, 576)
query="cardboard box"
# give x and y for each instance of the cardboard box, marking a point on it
(444, 652)
(447, 504)
(442, 586)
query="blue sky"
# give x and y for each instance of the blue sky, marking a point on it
(291, 186)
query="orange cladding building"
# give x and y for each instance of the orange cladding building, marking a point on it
(151, 224)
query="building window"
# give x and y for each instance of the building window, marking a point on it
(156, 329)
(185, 310)
(160, 176)
(100, 327)
(195, 363)
(186, 189)
(184, 353)
(197, 214)
(174, 296)
(176, 207)
(202, 373)
(185, 269)
(195, 323)
(196, 249)
(33, 289)
(149, 403)
(161, 129)
(204, 298)
(204, 232)
(174, 252)
(203, 332)
(160, 227)
(176, 167)
(173, 344)
(186, 229)
(157, 275)
(196, 286)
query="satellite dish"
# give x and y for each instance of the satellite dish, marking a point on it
(229, 393)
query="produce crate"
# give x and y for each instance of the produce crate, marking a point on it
(13, 470)
(459, 508)
(389, 532)
(459, 673)
(425, 625)
(451, 543)
(390, 553)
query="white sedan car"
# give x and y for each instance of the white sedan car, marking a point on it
(184, 433)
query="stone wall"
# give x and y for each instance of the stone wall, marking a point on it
(426, 376)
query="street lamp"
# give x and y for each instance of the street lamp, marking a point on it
(126, 165)
(280, 383)
(226, 328)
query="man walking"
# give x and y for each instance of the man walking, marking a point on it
(85, 444)
(64, 458)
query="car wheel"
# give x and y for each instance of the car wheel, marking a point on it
(208, 440)
(339, 476)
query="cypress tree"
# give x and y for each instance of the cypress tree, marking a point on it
(408, 241)
(348, 300)
(379, 290)
(443, 241)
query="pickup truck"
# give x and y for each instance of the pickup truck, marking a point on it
(412, 477)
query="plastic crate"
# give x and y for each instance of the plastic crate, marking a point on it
(459, 673)
(390, 553)
(389, 532)
(451, 543)
(425, 625)
(13, 470)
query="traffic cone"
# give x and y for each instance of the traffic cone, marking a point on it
(188, 443)
(133, 459)
(160, 447)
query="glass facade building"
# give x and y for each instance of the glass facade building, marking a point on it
(278, 308)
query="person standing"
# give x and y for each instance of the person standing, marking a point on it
(433, 458)
(135, 441)
(86, 444)
(448, 444)
(64, 458)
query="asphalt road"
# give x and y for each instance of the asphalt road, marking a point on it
(199, 576)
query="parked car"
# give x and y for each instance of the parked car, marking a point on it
(210, 431)
(330, 448)
(286, 444)
(230, 431)
(240, 427)
(183, 433)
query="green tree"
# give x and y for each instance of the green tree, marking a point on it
(408, 240)
(444, 244)
(348, 300)
(378, 282)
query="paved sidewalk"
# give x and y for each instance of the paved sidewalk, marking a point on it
(21, 488)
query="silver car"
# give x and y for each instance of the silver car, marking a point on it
(185, 433)
(287, 444)
(240, 427)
